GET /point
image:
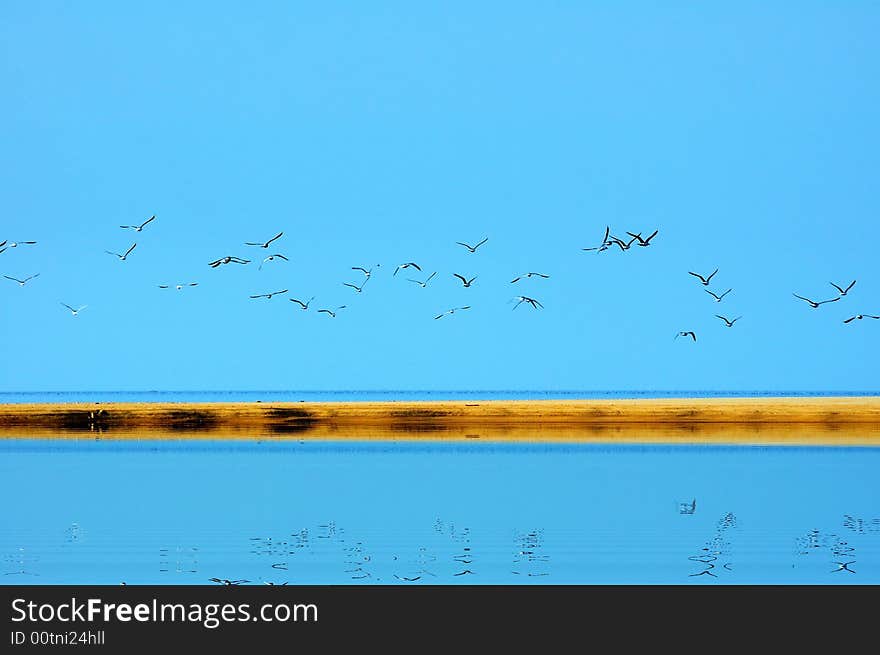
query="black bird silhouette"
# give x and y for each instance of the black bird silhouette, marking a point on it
(331, 312)
(473, 248)
(716, 297)
(813, 303)
(229, 260)
(179, 285)
(24, 281)
(425, 283)
(534, 303)
(304, 305)
(407, 265)
(688, 508)
(528, 275)
(272, 258)
(686, 334)
(228, 582)
(15, 244)
(356, 287)
(859, 317)
(623, 245)
(366, 271)
(605, 242)
(728, 322)
(843, 291)
(704, 280)
(138, 228)
(268, 296)
(465, 281)
(122, 257)
(452, 311)
(74, 311)
(266, 244)
(643, 242)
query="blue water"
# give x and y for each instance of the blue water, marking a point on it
(355, 395)
(182, 512)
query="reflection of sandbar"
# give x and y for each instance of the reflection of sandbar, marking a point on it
(820, 421)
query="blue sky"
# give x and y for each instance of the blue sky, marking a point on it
(380, 133)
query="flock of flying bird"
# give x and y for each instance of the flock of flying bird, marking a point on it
(609, 241)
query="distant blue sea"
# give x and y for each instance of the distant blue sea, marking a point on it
(386, 395)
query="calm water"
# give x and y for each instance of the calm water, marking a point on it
(363, 513)
(343, 396)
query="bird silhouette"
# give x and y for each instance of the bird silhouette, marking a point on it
(425, 283)
(304, 305)
(464, 280)
(268, 296)
(704, 280)
(407, 265)
(473, 248)
(528, 275)
(717, 297)
(859, 317)
(123, 256)
(228, 260)
(534, 303)
(643, 242)
(728, 322)
(686, 334)
(813, 303)
(451, 311)
(264, 244)
(21, 283)
(271, 258)
(138, 228)
(843, 291)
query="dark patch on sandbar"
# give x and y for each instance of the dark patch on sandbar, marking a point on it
(284, 420)
(188, 420)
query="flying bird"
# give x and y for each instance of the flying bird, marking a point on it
(643, 242)
(728, 322)
(605, 242)
(228, 582)
(717, 297)
(356, 287)
(814, 304)
(179, 285)
(527, 275)
(304, 305)
(860, 317)
(331, 312)
(74, 311)
(534, 303)
(21, 283)
(138, 228)
(227, 260)
(266, 244)
(464, 281)
(268, 296)
(843, 291)
(408, 265)
(686, 334)
(366, 271)
(122, 257)
(272, 258)
(623, 245)
(472, 248)
(704, 280)
(425, 283)
(15, 244)
(452, 311)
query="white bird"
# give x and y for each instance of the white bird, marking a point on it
(860, 317)
(24, 281)
(451, 311)
(122, 257)
(15, 244)
(138, 228)
(74, 311)
(425, 283)
(272, 258)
